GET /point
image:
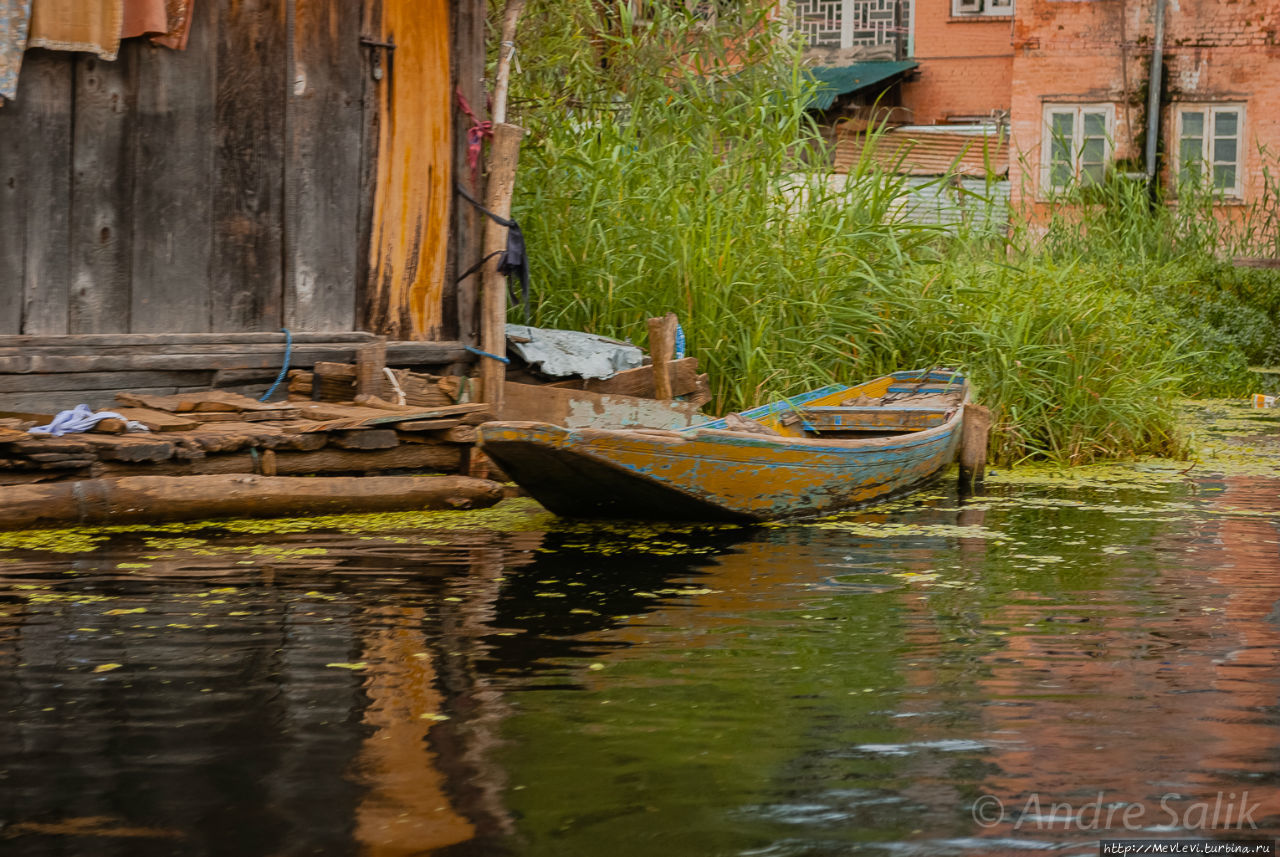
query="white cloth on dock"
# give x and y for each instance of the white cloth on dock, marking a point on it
(81, 418)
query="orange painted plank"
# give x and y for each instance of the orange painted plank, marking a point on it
(409, 242)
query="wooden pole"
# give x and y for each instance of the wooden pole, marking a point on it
(506, 52)
(504, 156)
(662, 348)
(973, 447)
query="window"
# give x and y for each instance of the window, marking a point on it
(1075, 146)
(992, 8)
(1209, 144)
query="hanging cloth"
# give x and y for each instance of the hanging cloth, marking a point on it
(513, 262)
(144, 18)
(92, 26)
(178, 15)
(15, 16)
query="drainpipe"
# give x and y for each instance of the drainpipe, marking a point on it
(1153, 93)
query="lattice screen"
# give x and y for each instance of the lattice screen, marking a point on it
(851, 23)
(821, 21)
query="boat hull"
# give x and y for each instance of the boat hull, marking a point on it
(711, 474)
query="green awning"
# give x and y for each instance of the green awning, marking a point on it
(834, 81)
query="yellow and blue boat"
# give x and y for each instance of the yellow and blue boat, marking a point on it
(829, 449)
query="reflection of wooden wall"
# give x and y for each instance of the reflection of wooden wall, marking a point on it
(230, 187)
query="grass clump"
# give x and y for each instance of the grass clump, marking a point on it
(671, 166)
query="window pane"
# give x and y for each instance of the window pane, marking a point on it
(1224, 151)
(1094, 150)
(1190, 157)
(1060, 175)
(1225, 123)
(1091, 174)
(1062, 123)
(1060, 150)
(1095, 124)
(1192, 123)
(1224, 176)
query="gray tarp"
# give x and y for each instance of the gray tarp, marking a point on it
(563, 353)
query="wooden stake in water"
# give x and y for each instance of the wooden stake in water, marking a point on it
(973, 447)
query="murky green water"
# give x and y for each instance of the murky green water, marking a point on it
(1053, 663)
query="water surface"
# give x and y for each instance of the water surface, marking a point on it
(1005, 675)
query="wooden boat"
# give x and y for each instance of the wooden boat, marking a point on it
(824, 450)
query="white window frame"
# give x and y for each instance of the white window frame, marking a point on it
(982, 8)
(1211, 110)
(1047, 134)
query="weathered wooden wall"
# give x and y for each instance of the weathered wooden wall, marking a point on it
(230, 187)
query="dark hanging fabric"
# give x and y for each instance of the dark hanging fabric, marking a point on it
(513, 261)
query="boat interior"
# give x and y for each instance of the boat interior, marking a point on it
(896, 404)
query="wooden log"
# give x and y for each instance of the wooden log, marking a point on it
(503, 158)
(662, 347)
(440, 457)
(165, 498)
(973, 446)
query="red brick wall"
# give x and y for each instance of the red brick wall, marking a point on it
(965, 64)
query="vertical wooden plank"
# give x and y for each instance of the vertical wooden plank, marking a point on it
(409, 242)
(322, 174)
(102, 178)
(371, 102)
(247, 273)
(173, 192)
(468, 58)
(35, 197)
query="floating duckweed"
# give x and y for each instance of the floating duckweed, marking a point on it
(889, 530)
(54, 541)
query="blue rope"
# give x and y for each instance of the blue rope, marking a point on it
(284, 370)
(475, 350)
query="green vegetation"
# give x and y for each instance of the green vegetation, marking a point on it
(671, 166)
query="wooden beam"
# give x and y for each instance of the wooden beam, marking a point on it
(208, 357)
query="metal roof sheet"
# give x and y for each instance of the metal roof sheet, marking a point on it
(839, 80)
(913, 152)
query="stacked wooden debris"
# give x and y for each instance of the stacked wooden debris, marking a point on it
(218, 432)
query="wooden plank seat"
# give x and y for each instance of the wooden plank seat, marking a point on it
(869, 418)
(923, 388)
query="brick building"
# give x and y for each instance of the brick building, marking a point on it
(1070, 80)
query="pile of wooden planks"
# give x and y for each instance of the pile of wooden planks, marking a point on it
(55, 372)
(216, 432)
